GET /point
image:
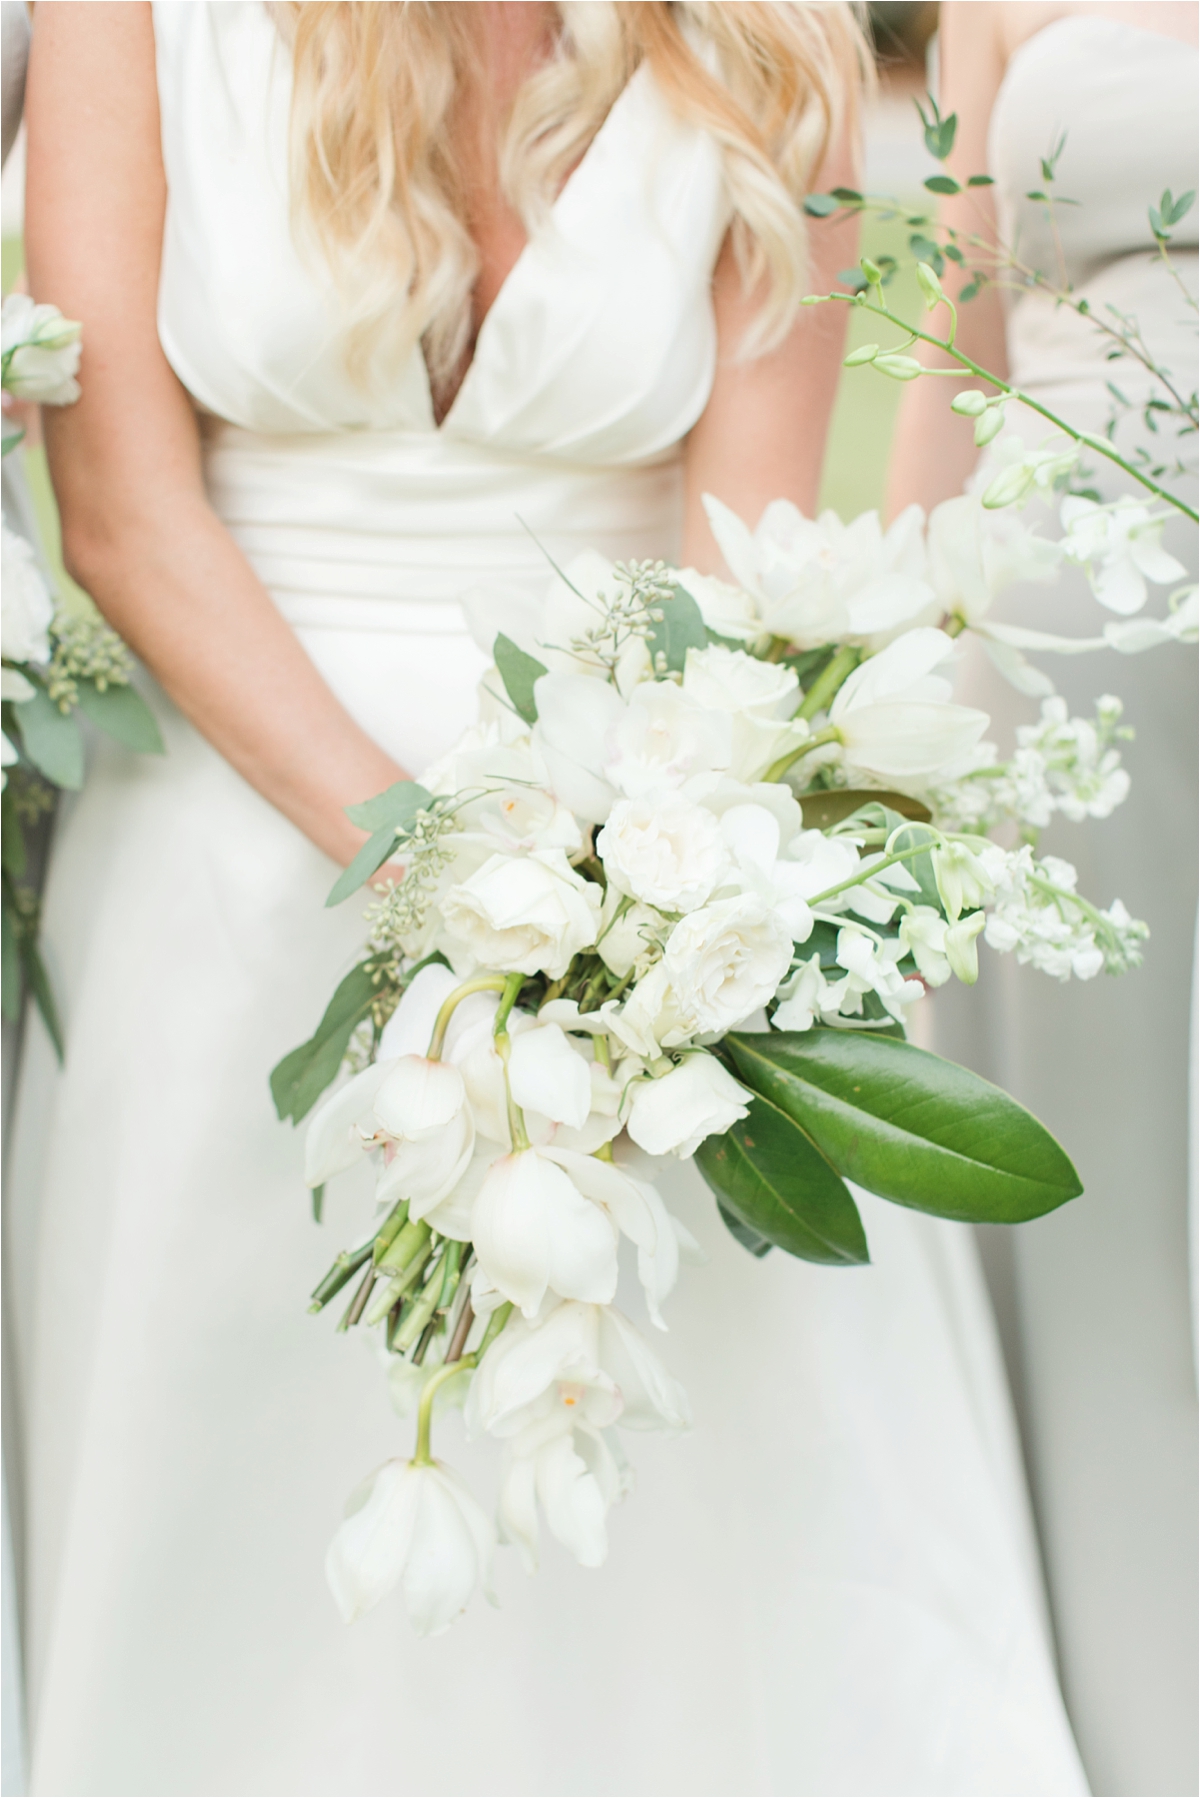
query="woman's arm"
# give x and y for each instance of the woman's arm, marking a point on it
(138, 531)
(933, 450)
(762, 435)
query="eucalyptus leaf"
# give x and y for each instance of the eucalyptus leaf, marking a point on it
(51, 740)
(298, 1081)
(43, 993)
(820, 206)
(121, 712)
(519, 672)
(680, 628)
(908, 1125)
(942, 184)
(398, 806)
(372, 855)
(767, 1173)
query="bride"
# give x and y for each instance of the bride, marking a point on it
(372, 296)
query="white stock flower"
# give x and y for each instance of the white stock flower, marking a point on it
(41, 352)
(923, 936)
(821, 581)
(26, 609)
(667, 852)
(419, 1528)
(662, 738)
(725, 961)
(974, 554)
(528, 914)
(871, 968)
(1120, 546)
(672, 1115)
(893, 712)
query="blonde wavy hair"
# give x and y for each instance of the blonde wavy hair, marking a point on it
(376, 179)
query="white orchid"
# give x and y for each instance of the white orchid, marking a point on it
(422, 1109)
(974, 554)
(417, 1527)
(893, 713)
(26, 608)
(41, 351)
(1120, 546)
(821, 581)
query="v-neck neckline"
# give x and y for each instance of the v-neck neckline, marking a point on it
(568, 188)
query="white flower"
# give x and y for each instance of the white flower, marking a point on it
(575, 715)
(1120, 545)
(562, 1463)
(422, 1109)
(963, 879)
(661, 738)
(343, 1126)
(667, 852)
(1011, 472)
(547, 1074)
(805, 997)
(725, 961)
(961, 947)
(534, 1230)
(409, 1030)
(727, 611)
(673, 1114)
(631, 936)
(26, 609)
(40, 351)
(974, 554)
(823, 581)
(892, 712)
(923, 936)
(760, 697)
(526, 914)
(420, 1528)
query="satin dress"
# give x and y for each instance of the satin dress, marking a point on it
(829, 1585)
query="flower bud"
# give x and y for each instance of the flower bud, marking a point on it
(969, 404)
(900, 368)
(1009, 486)
(871, 270)
(856, 358)
(961, 949)
(929, 284)
(989, 424)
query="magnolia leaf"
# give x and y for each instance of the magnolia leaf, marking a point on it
(519, 672)
(51, 740)
(908, 1125)
(769, 1175)
(751, 1241)
(822, 810)
(298, 1081)
(680, 628)
(121, 712)
(397, 807)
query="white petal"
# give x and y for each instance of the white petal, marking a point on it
(903, 739)
(533, 1228)
(332, 1142)
(547, 1075)
(572, 1500)
(419, 1097)
(367, 1555)
(450, 1551)
(408, 1030)
(653, 1399)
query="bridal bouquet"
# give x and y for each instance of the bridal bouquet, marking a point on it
(674, 896)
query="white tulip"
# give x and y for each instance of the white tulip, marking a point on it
(725, 961)
(673, 1114)
(41, 351)
(528, 914)
(893, 715)
(575, 716)
(534, 1230)
(661, 738)
(419, 1528)
(422, 1109)
(667, 852)
(26, 609)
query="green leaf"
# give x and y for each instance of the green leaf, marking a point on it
(680, 628)
(1173, 211)
(822, 810)
(372, 855)
(909, 1126)
(397, 807)
(942, 184)
(970, 290)
(853, 278)
(51, 740)
(12, 837)
(43, 995)
(980, 181)
(756, 1245)
(849, 196)
(318, 1202)
(819, 206)
(122, 713)
(518, 671)
(298, 1081)
(12, 985)
(769, 1175)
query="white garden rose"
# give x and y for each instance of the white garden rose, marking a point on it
(725, 961)
(527, 914)
(667, 852)
(26, 609)
(41, 352)
(729, 680)
(673, 1114)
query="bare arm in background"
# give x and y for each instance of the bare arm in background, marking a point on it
(933, 451)
(138, 530)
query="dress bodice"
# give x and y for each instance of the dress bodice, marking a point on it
(599, 348)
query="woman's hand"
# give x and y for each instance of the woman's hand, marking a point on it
(138, 530)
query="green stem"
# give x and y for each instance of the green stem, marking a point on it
(423, 1457)
(778, 769)
(516, 1118)
(1015, 393)
(483, 983)
(828, 681)
(857, 880)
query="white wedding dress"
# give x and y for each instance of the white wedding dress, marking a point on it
(829, 1586)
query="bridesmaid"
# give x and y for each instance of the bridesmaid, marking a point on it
(1098, 1294)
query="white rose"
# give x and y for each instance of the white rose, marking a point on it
(674, 1114)
(26, 609)
(725, 961)
(728, 680)
(630, 938)
(662, 738)
(668, 852)
(41, 352)
(527, 914)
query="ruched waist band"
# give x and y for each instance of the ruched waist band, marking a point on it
(387, 531)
